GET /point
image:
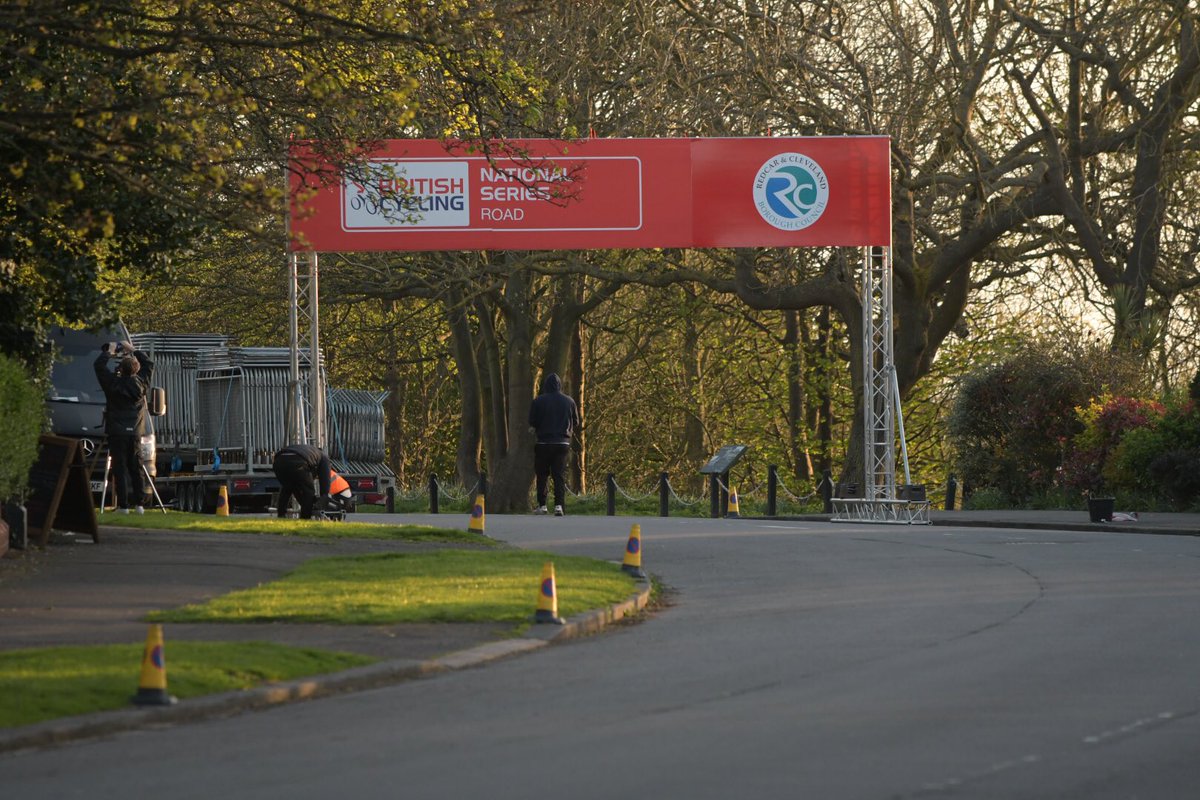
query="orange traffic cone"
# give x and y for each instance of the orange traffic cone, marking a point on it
(633, 553)
(547, 605)
(152, 687)
(733, 512)
(476, 523)
(223, 501)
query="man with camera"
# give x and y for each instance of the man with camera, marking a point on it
(125, 416)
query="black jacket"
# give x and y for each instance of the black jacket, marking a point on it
(552, 414)
(125, 396)
(312, 458)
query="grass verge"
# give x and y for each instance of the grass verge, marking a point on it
(392, 588)
(50, 682)
(182, 521)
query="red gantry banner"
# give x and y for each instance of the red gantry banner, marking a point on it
(599, 194)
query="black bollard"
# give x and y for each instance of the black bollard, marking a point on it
(433, 493)
(827, 492)
(390, 502)
(664, 495)
(951, 491)
(610, 484)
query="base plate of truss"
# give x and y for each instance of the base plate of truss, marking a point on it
(893, 512)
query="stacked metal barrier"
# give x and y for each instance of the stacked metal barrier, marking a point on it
(175, 357)
(354, 427)
(227, 409)
(242, 398)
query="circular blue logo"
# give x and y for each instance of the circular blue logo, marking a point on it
(791, 191)
(633, 545)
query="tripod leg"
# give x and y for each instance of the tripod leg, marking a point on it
(104, 487)
(153, 488)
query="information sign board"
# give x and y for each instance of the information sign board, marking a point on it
(724, 459)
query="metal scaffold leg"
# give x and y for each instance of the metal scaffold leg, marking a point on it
(881, 407)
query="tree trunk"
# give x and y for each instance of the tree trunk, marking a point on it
(797, 431)
(470, 430)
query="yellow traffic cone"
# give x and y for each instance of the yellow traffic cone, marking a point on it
(633, 553)
(476, 523)
(547, 605)
(223, 501)
(733, 512)
(152, 687)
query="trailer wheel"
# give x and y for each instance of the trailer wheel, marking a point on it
(208, 498)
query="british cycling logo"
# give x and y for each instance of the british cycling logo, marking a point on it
(791, 191)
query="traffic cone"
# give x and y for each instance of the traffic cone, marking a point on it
(547, 605)
(633, 553)
(476, 523)
(733, 512)
(223, 501)
(152, 687)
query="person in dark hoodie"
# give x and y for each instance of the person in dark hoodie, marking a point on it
(553, 416)
(297, 466)
(125, 417)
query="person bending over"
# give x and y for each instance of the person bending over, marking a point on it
(297, 466)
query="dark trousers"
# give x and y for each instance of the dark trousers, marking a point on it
(126, 469)
(294, 480)
(551, 460)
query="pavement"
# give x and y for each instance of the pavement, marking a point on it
(76, 592)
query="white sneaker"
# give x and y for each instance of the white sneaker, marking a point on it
(540, 510)
(141, 510)
(558, 512)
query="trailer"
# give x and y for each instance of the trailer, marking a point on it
(227, 416)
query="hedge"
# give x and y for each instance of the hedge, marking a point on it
(22, 417)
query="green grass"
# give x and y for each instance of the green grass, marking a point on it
(237, 523)
(444, 586)
(51, 682)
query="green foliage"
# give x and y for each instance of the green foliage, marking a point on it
(1014, 425)
(986, 499)
(1176, 474)
(1010, 423)
(1092, 467)
(1159, 461)
(133, 130)
(22, 418)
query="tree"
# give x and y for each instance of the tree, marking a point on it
(128, 130)
(1120, 146)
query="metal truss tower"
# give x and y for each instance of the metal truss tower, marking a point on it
(306, 398)
(881, 407)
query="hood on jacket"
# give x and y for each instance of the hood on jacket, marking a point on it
(551, 384)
